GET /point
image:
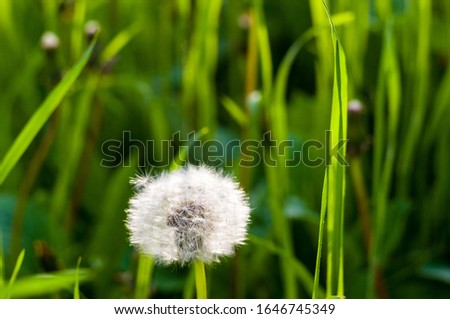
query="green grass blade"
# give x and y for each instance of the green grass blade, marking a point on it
(6, 293)
(336, 171)
(15, 272)
(440, 110)
(120, 41)
(323, 210)
(264, 50)
(181, 156)
(76, 143)
(105, 249)
(388, 90)
(42, 114)
(324, 67)
(235, 111)
(77, 33)
(421, 69)
(302, 272)
(144, 276)
(76, 289)
(199, 96)
(276, 175)
(45, 284)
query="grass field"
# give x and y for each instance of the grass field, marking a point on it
(268, 92)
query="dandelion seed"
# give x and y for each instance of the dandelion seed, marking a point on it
(194, 213)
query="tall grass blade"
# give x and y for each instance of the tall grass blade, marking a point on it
(77, 34)
(322, 226)
(76, 142)
(335, 172)
(181, 156)
(276, 175)
(120, 41)
(42, 114)
(76, 289)
(385, 153)
(324, 67)
(198, 74)
(5, 292)
(189, 285)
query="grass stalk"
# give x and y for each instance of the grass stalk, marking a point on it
(334, 181)
(40, 117)
(198, 95)
(324, 66)
(73, 150)
(2, 261)
(421, 88)
(77, 30)
(277, 175)
(388, 97)
(15, 272)
(362, 199)
(76, 289)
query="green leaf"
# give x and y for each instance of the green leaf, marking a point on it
(235, 111)
(323, 210)
(44, 284)
(120, 41)
(42, 114)
(334, 182)
(16, 270)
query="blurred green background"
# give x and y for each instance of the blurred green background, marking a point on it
(160, 67)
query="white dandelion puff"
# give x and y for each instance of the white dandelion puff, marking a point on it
(194, 213)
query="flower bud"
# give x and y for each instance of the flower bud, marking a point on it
(49, 41)
(357, 129)
(91, 28)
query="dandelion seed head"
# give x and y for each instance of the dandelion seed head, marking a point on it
(192, 213)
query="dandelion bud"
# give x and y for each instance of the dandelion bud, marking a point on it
(91, 28)
(357, 129)
(253, 100)
(49, 41)
(355, 107)
(194, 213)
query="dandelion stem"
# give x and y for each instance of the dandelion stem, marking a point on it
(144, 276)
(200, 279)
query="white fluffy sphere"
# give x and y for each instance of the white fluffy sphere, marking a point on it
(191, 213)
